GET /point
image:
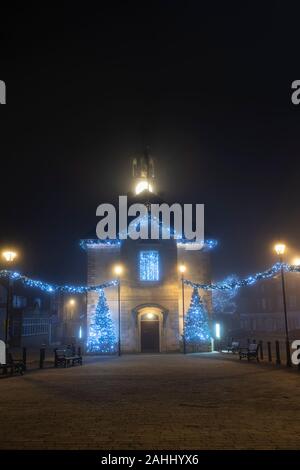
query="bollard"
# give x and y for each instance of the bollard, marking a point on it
(269, 352)
(261, 351)
(288, 354)
(24, 358)
(278, 361)
(55, 358)
(42, 357)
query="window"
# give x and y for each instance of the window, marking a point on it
(37, 303)
(149, 265)
(19, 301)
(35, 326)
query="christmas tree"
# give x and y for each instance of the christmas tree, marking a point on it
(196, 326)
(102, 336)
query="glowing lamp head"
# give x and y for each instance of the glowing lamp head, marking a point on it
(182, 268)
(118, 270)
(72, 302)
(150, 316)
(296, 262)
(141, 186)
(280, 248)
(9, 255)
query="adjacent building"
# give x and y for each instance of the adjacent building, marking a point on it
(260, 307)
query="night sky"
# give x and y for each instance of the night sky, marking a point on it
(207, 88)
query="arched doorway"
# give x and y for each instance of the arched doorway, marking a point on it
(150, 320)
(150, 332)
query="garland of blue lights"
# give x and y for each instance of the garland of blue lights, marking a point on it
(248, 281)
(84, 244)
(53, 288)
(223, 285)
(180, 240)
(92, 243)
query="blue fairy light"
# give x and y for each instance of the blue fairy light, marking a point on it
(101, 332)
(149, 265)
(196, 326)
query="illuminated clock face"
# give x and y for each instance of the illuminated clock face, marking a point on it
(141, 186)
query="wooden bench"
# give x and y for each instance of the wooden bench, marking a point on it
(13, 366)
(250, 353)
(234, 347)
(5, 368)
(66, 357)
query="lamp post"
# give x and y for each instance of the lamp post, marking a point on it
(71, 305)
(182, 269)
(9, 256)
(118, 272)
(280, 250)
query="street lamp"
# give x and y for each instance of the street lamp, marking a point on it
(182, 269)
(9, 256)
(280, 250)
(118, 271)
(70, 314)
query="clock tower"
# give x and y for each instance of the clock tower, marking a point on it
(143, 173)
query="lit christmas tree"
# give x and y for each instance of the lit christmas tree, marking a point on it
(102, 336)
(196, 326)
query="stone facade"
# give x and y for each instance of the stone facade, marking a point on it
(163, 298)
(160, 299)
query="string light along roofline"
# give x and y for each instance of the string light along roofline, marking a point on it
(97, 243)
(165, 233)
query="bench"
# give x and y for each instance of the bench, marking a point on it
(14, 366)
(234, 347)
(250, 353)
(5, 368)
(66, 357)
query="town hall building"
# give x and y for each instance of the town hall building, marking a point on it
(151, 294)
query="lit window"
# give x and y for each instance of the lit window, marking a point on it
(218, 330)
(149, 265)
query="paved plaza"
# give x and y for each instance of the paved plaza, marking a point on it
(152, 402)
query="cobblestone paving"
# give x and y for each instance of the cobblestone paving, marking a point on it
(152, 402)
